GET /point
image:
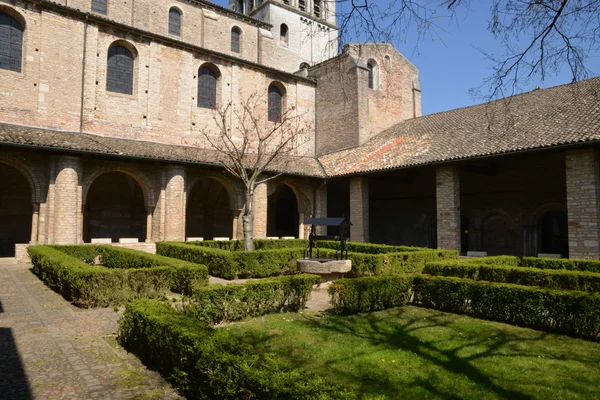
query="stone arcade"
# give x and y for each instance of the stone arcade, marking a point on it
(102, 103)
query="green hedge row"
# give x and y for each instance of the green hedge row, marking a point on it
(185, 276)
(570, 312)
(372, 293)
(367, 248)
(234, 264)
(207, 363)
(91, 285)
(547, 278)
(391, 263)
(259, 244)
(561, 263)
(226, 303)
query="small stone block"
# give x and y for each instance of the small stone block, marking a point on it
(549, 255)
(101, 240)
(128, 240)
(476, 253)
(194, 239)
(220, 239)
(273, 237)
(288, 237)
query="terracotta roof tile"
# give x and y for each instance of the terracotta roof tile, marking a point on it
(542, 118)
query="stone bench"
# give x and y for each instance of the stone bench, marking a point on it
(129, 240)
(549, 255)
(476, 253)
(101, 240)
(221, 239)
(194, 239)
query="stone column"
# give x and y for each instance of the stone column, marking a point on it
(448, 207)
(35, 218)
(321, 208)
(66, 195)
(260, 211)
(149, 217)
(301, 220)
(237, 231)
(174, 203)
(359, 209)
(582, 203)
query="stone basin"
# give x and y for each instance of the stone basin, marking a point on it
(329, 268)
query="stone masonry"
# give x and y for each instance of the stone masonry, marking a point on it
(448, 207)
(359, 209)
(582, 203)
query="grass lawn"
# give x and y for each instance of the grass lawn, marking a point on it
(415, 353)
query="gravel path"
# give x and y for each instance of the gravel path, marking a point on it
(50, 349)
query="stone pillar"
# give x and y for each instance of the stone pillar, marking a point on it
(174, 203)
(41, 239)
(359, 209)
(66, 200)
(301, 220)
(321, 208)
(237, 230)
(149, 217)
(35, 218)
(582, 203)
(448, 207)
(260, 211)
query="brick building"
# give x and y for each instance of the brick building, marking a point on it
(102, 104)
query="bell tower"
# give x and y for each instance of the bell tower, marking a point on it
(304, 31)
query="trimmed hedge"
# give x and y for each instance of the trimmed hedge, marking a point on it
(372, 293)
(561, 263)
(391, 263)
(570, 312)
(91, 285)
(259, 244)
(234, 264)
(226, 303)
(207, 363)
(86, 253)
(552, 279)
(368, 248)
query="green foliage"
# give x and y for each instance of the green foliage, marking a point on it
(206, 363)
(547, 278)
(370, 293)
(225, 303)
(570, 312)
(185, 276)
(259, 244)
(368, 248)
(234, 264)
(86, 253)
(92, 285)
(561, 263)
(391, 263)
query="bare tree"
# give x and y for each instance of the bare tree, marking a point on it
(539, 37)
(255, 148)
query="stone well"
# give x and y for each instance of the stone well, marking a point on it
(329, 268)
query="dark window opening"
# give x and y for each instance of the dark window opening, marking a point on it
(236, 33)
(16, 210)
(283, 218)
(99, 6)
(174, 22)
(283, 34)
(554, 233)
(317, 8)
(208, 212)
(207, 88)
(119, 76)
(302, 5)
(371, 77)
(275, 103)
(11, 43)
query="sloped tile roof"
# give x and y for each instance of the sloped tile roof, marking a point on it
(96, 144)
(556, 116)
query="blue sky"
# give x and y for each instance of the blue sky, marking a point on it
(452, 64)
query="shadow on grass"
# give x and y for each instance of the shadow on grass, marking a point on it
(14, 384)
(455, 356)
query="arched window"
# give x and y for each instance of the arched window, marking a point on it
(11, 43)
(119, 74)
(236, 35)
(99, 6)
(373, 74)
(207, 87)
(275, 103)
(174, 21)
(283, 34)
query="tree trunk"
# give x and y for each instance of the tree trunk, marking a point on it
(248, 221)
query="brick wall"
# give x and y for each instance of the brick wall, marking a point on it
(448, 207)
(582, 203)
(359, 209)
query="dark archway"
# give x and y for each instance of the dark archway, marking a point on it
(208, 213)
(496, 237)
(114, 209)
(283, 213)
(554, 233)
(15, 210)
